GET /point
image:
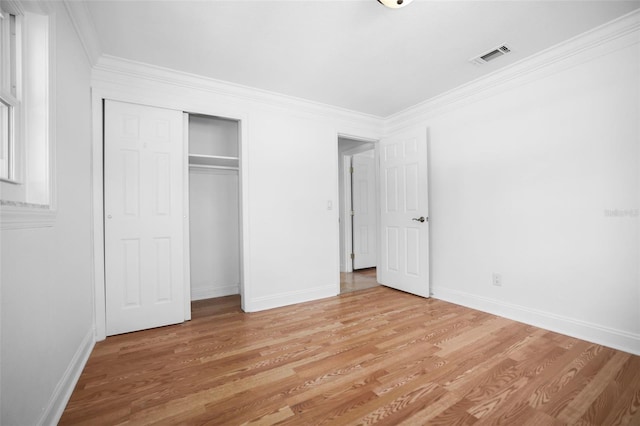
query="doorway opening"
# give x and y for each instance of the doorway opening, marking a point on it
(213, 206)
(358, 214)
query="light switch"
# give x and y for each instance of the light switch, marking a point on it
(329, 205)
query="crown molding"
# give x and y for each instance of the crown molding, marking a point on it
(614, 35)
(20, 7)
(82, 23)
(110, 69)
(13, 6)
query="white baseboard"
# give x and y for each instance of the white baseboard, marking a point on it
(617, 339)
(199, 293)
(291, 298)
(62, 392)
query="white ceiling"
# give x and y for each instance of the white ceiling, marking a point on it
(354, 54)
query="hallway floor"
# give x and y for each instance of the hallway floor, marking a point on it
(358, 280)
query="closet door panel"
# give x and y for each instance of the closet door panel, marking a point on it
(144, 163)
(162, 184)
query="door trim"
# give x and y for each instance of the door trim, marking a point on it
(97, 194)
(347, 234)
(186, 215)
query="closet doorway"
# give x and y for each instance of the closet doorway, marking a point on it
(358, 214)
(143, 163)
(214, 206)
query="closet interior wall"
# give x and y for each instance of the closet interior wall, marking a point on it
(214, 233)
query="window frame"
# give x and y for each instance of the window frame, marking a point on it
(10, 62)
(10, 142)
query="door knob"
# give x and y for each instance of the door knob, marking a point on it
(420, 219)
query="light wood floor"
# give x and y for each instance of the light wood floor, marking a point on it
(358, 280)
(370, 356)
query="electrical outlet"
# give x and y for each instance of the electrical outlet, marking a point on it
(497, 279)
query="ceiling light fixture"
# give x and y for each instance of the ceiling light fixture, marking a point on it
(395, 4)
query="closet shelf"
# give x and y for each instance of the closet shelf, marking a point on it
(213, 161)
(206, 166)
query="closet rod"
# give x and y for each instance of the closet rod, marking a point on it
(209, 166)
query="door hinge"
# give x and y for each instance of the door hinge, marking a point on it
(353, 256)
(351, 169)
(353, 213)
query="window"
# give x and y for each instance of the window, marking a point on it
(26, 106)
(9, 96)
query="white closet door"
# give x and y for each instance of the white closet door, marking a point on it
(143, 178)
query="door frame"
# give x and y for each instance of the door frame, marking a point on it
(97, 186)
(346, 231)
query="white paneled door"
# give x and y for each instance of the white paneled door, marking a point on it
(404, 216)
(363, 193)
(143, 210)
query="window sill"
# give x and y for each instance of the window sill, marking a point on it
(19, 215)
(11, 181)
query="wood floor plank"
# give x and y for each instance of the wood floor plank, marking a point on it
(374, 356)
(456, 414)
(404, 406)
(432, 410)
(619, 403)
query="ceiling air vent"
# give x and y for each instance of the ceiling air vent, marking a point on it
(491, 55)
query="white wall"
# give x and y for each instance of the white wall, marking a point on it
(213, 136)
(522, 183)
(46, 273)
(214, 235)
(293, 175)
